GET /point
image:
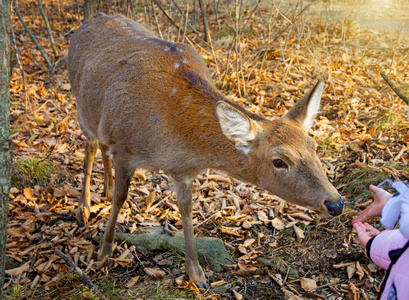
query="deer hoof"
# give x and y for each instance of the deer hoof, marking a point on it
(203, 287)
(82, 216)
(105, 250)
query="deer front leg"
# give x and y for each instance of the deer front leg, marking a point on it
(123, 175)
(108, 178)
(84, 202)
(183, 190)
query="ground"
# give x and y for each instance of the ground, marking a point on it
(280, 251)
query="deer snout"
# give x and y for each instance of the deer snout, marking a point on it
(335, 208)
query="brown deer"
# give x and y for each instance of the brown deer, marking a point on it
(152, 104)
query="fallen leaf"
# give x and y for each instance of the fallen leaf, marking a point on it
(248, 242)
(290, 295)
(131, 282)
(217, 283)
(277, 278)
(351, 270)
(31, 194)
(308, 284)
(299, 234)
(155, 272)
(352, 292)
(277, 223)
(18, 270)
(237, 296)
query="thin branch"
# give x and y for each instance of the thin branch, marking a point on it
(47, 25)
(394, 88)
(186, 21)
(78, 11)
(23, 75)
(81, 274)
(237, 44)
(216, 11)
(33, 38)
(156, 19)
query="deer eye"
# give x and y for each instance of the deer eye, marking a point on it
(279, 164)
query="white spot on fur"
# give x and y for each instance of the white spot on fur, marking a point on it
(177, 65)
(187, 101)
(184, 61)
(166, 49)
(173, 92)
(180, 50)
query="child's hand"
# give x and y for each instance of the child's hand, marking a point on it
(375, 209)
(365, 232)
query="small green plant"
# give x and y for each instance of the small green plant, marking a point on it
(32, 171)
(328, 144)
(392, 123)
(356, 184)
(16, 292)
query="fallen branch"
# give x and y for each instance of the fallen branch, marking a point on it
(33, 38)
(81, 274)
(209, 250)
(394, 88)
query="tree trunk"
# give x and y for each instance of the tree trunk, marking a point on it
(205, 23)
(90, 8)
(6, 146)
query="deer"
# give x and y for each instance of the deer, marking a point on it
(150, 103)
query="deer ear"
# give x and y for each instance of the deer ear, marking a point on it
(305, 110)
(236, 125)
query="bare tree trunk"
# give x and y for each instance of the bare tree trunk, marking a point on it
(205, 23)
(90, 8)
(6, 146)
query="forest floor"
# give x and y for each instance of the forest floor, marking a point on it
(279, 250)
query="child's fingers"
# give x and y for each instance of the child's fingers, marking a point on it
(359, 227)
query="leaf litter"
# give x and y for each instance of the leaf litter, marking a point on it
(282, 251)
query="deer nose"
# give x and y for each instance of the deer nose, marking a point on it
(335, 208)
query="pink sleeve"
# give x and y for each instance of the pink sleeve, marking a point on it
(383, 243)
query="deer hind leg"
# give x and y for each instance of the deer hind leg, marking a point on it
(108, 178)
(183, 190)
(84, 202)
(123, 175)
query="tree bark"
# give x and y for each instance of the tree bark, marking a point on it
(90, 8)
(6, 146)
(205, 23)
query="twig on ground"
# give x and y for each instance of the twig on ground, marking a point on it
(394, 88)
(33, 38)
(81, 274)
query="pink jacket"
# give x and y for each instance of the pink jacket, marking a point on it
(385, 250)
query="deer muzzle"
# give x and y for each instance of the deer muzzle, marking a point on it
(335, 208)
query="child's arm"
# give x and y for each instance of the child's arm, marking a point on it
(375, 209)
